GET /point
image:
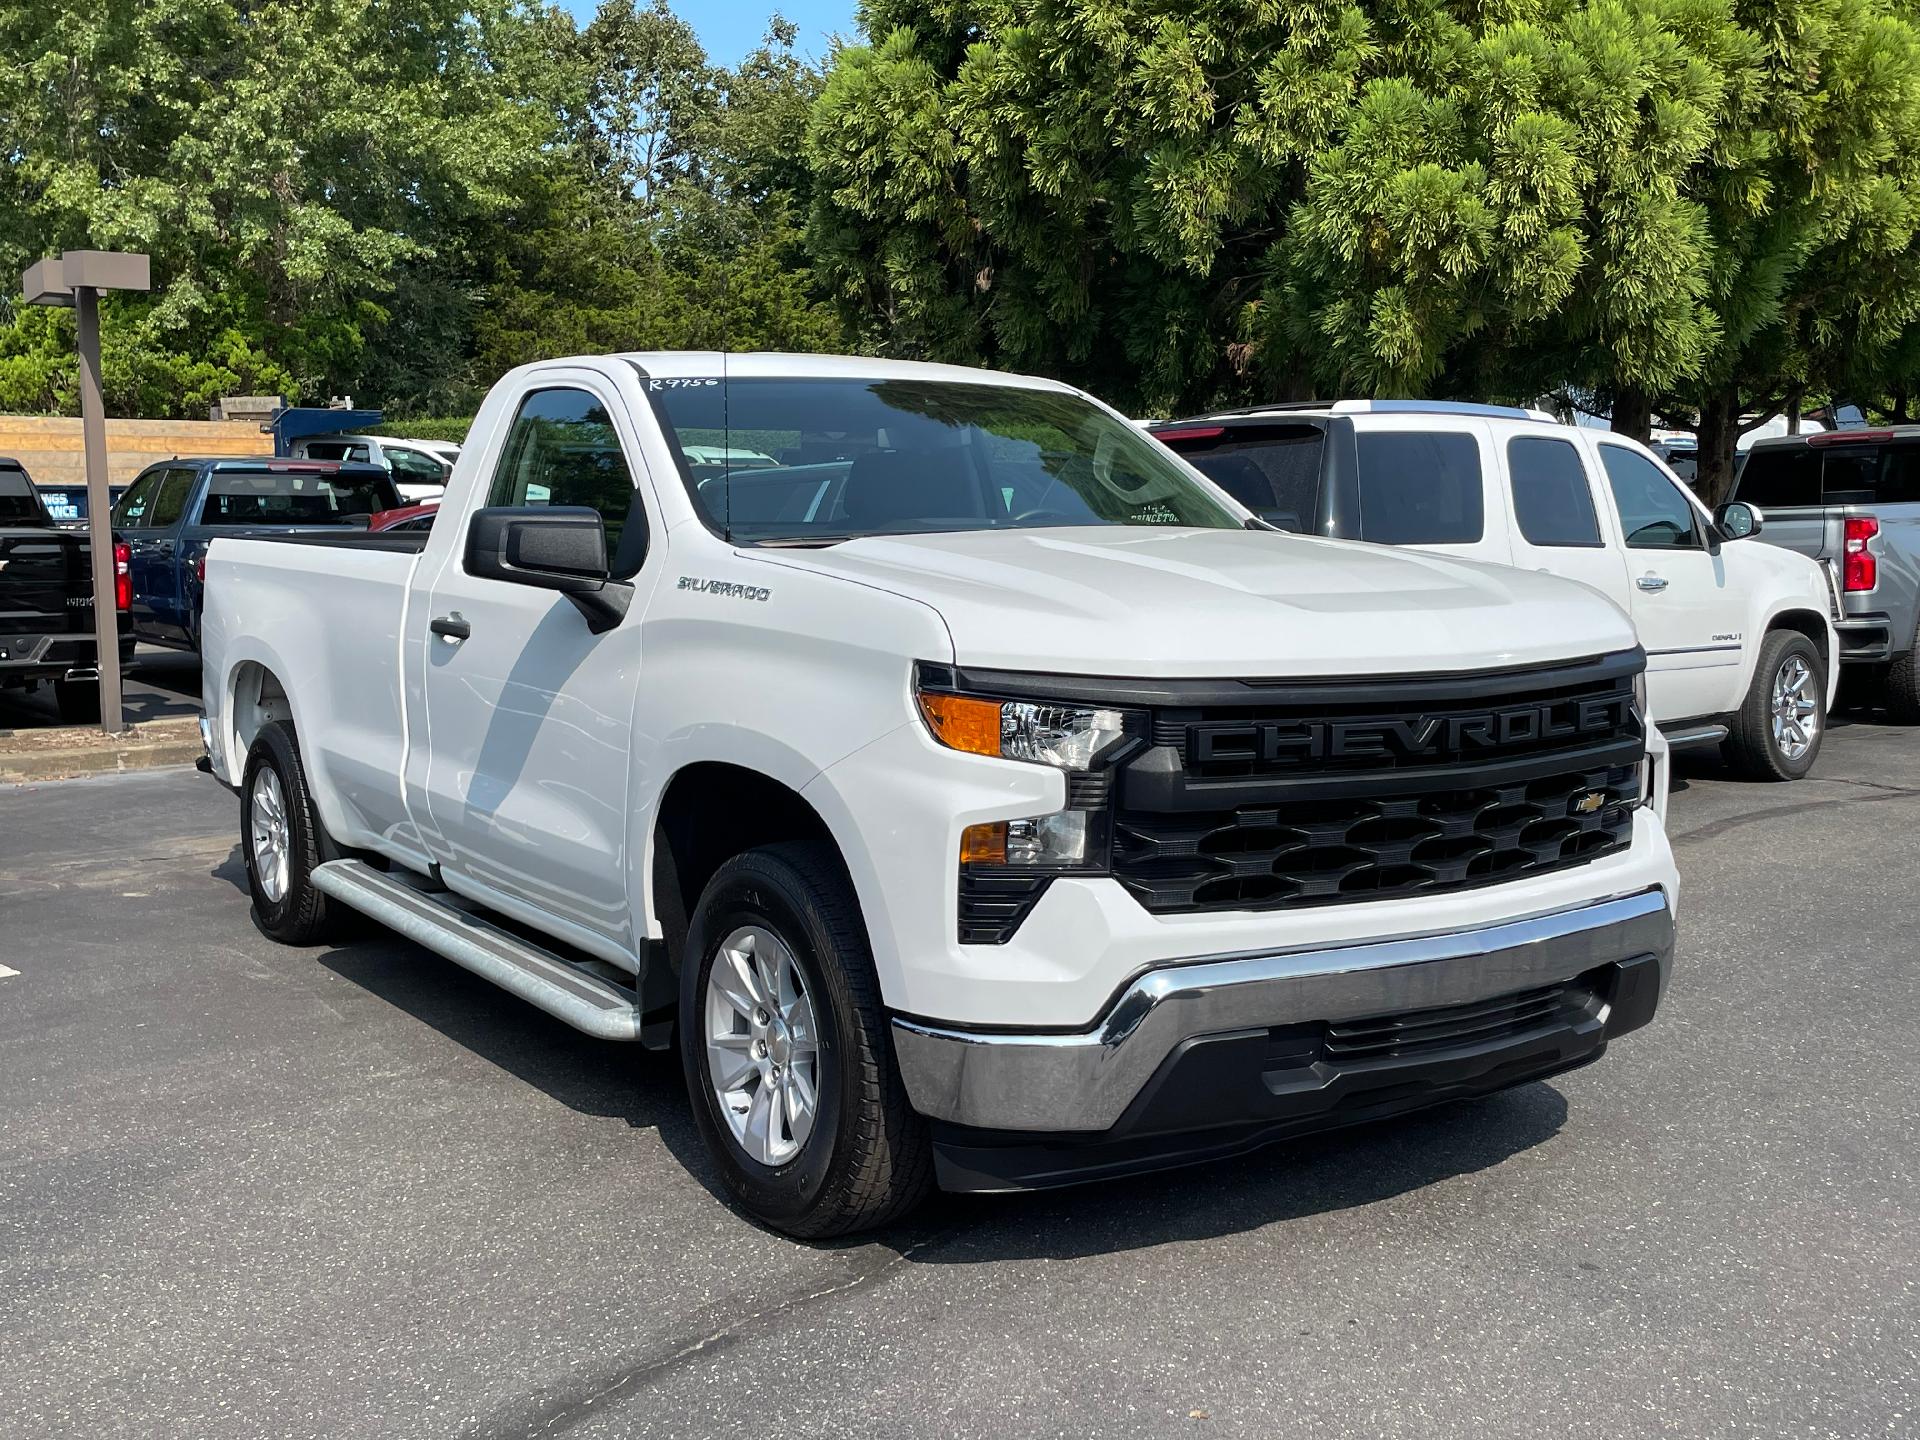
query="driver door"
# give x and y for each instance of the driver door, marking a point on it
(529, 713)
(1687, 616)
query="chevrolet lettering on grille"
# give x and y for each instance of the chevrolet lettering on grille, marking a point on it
(1273, 742)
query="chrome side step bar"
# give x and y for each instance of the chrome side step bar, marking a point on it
(1693, 735)
(564, 990)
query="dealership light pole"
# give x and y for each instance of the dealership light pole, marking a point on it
(76, 279)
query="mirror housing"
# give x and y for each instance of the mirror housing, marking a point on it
(550, 547)
(1737, 520)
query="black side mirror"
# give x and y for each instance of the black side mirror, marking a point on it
(551, 547)
(1737, 520)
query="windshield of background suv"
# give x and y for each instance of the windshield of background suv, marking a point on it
(18, 503)
(907, 457)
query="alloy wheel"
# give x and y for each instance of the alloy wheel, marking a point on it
(762, 1047)
(1795, 708)
(272, 847)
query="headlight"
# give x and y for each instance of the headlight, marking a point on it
(1045, 842)
(1063, 736)
(1640, 698)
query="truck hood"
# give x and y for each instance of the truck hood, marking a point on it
(1154, 602)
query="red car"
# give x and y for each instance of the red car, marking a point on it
(407, 517)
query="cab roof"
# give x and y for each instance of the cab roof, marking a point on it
(773, 365)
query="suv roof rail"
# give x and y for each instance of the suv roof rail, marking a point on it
(1438, 407)
(1366, 407)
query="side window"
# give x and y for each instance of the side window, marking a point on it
(410, 467)
(1780, 476)
(136, 505)
(171, 498)
(1551, 499)
(1420, 488)
(1654, 515)
(563, 450)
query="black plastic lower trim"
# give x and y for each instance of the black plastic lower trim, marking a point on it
(1221, 1095)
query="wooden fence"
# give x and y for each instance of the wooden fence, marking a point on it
(50, 449)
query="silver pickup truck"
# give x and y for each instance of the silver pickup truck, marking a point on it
(1851, 500)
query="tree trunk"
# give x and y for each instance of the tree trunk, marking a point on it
(1719, 438)
(1632, 413)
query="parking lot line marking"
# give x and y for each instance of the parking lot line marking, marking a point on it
(6, 970)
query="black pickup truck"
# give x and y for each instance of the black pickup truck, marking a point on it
(46, 601)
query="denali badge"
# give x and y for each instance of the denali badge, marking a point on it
(1285, 741)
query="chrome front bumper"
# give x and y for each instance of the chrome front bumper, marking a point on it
(1085, 1081)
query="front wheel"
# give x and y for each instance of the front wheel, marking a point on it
(786, 1049)
(1777, 732)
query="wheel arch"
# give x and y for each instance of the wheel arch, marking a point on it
(708, 812)
(253, 693)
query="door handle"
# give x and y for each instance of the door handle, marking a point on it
(453, 627)
(1651, 582)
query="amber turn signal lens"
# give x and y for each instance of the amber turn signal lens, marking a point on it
(964, 723)
(984, 844)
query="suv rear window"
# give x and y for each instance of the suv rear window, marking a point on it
(294, 497)
(1420, 487)
(1273, 470)
(1551, 500)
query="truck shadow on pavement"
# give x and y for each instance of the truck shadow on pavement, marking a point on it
(1292, 1180)
(1288, 1181)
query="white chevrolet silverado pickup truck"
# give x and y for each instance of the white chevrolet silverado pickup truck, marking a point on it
(972, 793)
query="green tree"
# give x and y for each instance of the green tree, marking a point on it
(281, 161)
(1813, 194)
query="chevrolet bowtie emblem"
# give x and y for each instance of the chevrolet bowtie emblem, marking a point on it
(1590, 802)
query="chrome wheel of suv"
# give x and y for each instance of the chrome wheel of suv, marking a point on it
(763, 1057)
(1796, 708)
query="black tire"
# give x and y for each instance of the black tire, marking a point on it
(79, 701)
(1903, 687)
(299, 915)
(868, 1158)
(1751, 749)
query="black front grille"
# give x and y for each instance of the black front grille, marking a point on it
(1367, 792)
(1316, 852)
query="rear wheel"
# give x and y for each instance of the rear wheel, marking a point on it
(1777, 732)
(786, 1049)
(79, 701)
(1903, 687)
(282, 840)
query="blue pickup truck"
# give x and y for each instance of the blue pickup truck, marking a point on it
(173, 509)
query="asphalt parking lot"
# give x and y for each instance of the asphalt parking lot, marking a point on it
(249, 1191)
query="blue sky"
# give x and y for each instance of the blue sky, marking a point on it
(730, 28)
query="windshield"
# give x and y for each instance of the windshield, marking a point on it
(18, 503)
(802, 460)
